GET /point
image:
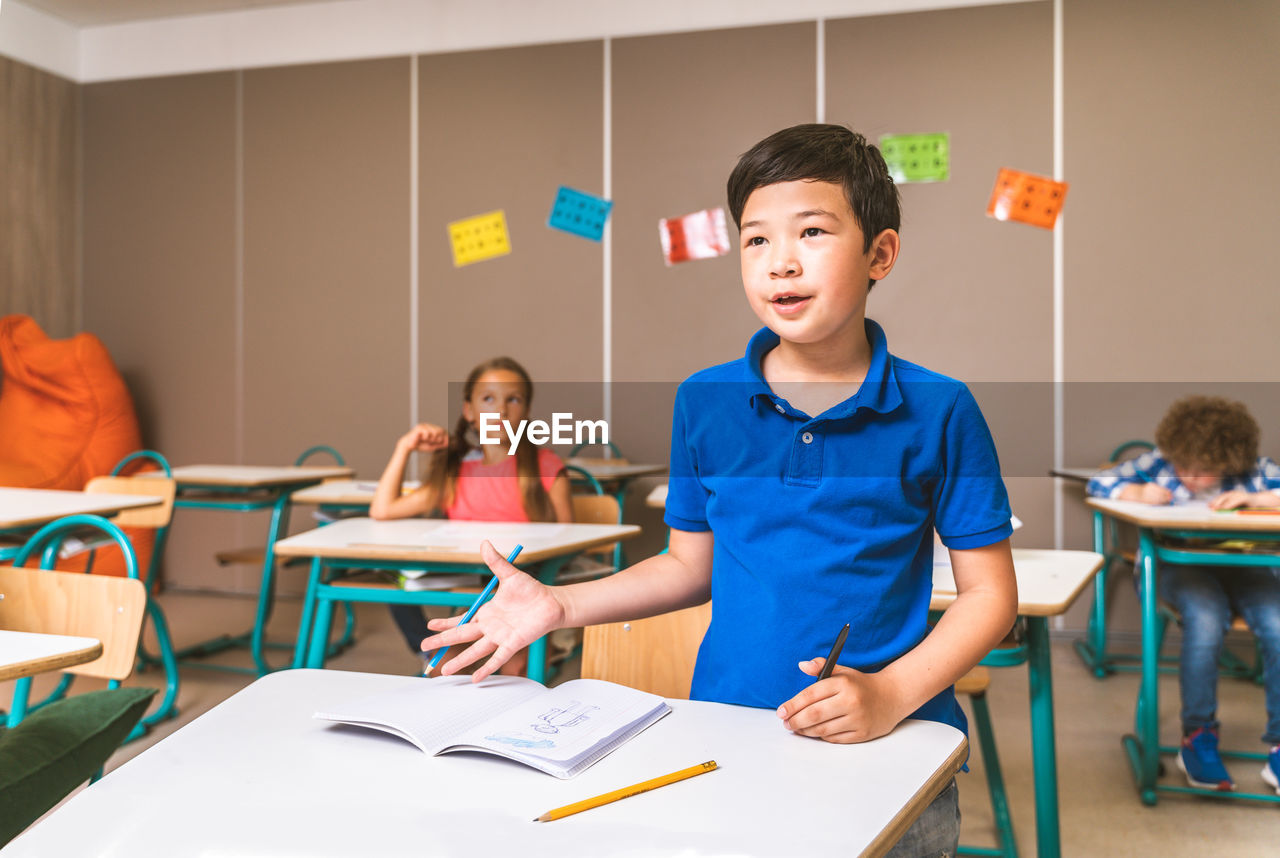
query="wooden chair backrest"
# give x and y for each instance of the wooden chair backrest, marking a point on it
(152, 516)
(105, 607)
(595, 509)
(654, 654)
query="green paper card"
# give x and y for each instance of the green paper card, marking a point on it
(917, 157)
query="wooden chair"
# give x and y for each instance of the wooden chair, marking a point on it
(655, 654)
(598, 562)
(157, 519)
(105, 607)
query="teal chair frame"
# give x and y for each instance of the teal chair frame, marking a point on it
(252, 500)
(46, 542)
(1142, 747)
(1006, 656)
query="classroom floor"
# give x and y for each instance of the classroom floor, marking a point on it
(1100, 810)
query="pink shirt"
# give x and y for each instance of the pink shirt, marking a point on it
(492, 492)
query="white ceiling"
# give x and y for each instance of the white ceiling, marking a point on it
(93, 13)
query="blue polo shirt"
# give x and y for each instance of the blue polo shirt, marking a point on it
(824, 520)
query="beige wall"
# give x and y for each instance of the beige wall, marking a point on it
(39, 215)
(307, 225)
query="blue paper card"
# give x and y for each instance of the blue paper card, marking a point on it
(579, 213)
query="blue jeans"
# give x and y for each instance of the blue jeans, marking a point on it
(1207, 597)
(936, 832)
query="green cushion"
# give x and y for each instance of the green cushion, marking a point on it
(58, 747)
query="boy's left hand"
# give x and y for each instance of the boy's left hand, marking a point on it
(1236, 498)
(848, 706)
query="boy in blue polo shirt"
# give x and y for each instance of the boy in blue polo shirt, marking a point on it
(807, 480)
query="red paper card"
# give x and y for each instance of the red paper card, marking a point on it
(701, 235)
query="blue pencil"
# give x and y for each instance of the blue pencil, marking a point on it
(471, 612)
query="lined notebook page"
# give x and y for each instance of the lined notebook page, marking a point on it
(434, 714)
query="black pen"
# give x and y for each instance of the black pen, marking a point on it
(834, 654)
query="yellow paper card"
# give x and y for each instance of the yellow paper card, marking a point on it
(478, 238)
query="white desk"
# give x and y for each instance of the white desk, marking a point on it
(605, 472)
(1048, 583)
(247, 488)
(1075, 475)
(657, 498)
(250, 476)
(21, 509)
(1180, 522)
(346, 493)
(28, 653)
(436, 545)
(257, 775)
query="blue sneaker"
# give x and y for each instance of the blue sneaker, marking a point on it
(1271, 771)
(1199, 760)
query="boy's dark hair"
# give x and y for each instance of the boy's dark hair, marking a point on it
(824, 153)
(1209, 432)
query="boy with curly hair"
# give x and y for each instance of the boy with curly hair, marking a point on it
(1207, 449)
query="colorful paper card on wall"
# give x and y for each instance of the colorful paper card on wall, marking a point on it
(579, 213)
(917, 157)
(478, 238)
(1027, 198)
(700, 235)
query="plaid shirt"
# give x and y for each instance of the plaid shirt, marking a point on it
(1153, 467)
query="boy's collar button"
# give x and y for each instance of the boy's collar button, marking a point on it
(807, 437)
(781, 410)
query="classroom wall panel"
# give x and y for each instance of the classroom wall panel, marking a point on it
(685, 107)
(327, 160)
(326, 259)
(503, 130)
(159, 275)
(970, 297)
(1152, 312)
(39, 210)
(1170, 256)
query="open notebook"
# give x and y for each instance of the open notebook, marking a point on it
(562, 731)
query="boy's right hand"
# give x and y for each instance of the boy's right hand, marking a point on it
(522, 610)
(425, 438)
(1148, 493)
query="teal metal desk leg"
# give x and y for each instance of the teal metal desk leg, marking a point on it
(1149, 715)
(1043, 753)
(308, 613)
(266, 595)
(1093, 650)
(319, 633)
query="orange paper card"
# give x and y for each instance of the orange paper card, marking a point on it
(1027, 198)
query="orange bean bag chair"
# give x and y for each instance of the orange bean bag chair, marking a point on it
(65, 417)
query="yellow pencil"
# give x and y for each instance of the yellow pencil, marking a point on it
(626, 792)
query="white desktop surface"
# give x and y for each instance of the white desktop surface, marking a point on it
(257, 775)
(25, 653)
(443, 541)
(1195, 515)
(1048, 580)
(605, 472)
(346, 492)
(23, 507)
(251, 476)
